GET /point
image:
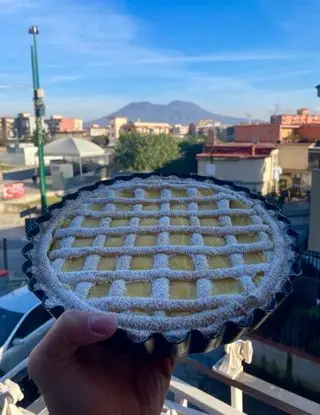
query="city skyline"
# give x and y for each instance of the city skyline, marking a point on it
(232, 58)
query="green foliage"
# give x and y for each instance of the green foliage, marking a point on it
(137, 152)
(101, 140)
(186, 162)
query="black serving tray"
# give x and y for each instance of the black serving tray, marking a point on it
(158, 345)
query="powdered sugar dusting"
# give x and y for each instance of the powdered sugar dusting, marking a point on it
(178, 207)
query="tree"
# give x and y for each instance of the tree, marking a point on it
(137, 152)
(101, 140)
(186, 162)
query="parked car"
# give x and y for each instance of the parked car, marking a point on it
(23, 323)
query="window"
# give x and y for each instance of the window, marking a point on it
(8, 321)
(34, 319)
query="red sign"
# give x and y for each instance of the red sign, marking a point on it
(13, 191)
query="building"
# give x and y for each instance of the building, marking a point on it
(180, 130)
(115, 123)
(97, 131)
(58, 124)
(261, 133)
(284, 127)
(314, 224)
(192, 130)
(296, 161)
(303, 116)
(84, 134)
(69, 125)
(53, 124)
(204, 126)
(7, 131)
(24, 125)
(255, 166)
(309, 132)
(145, 128)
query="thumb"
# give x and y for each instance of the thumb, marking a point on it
(72, 330)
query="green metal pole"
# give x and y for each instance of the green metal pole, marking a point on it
(35, 56)
(32, 66)
(38, 132)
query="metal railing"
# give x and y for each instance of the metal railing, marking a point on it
(311, 263)
(240, 383)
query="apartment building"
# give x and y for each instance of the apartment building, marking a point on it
(180, 130)
(281, 128)
(97, 131)
(303, 116)
(296, 161)
(7, 131)
(24, 125)
(58, 124)
(53, 124)
(115, 124)
(145, 128)
(68, 125)
(253, 166)
(204, 126)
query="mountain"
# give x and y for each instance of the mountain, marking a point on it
(175, 112)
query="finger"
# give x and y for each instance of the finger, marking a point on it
(71, 331)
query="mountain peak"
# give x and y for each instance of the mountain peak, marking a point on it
(175, 112)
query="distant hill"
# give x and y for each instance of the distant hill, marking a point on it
(175, 112)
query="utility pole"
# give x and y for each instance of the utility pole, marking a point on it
(39, 111)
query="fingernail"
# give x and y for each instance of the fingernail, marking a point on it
(102, 325)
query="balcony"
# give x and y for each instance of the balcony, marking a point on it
(230, 372)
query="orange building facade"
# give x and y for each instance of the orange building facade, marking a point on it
(303, 116)
(70, 125)
(303, 125)
(256, 133)
(310, 132)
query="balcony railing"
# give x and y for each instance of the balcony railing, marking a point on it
(231, 373)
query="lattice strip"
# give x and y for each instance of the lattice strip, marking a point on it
(185, 214)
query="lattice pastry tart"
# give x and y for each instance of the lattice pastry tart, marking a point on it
(169, 255)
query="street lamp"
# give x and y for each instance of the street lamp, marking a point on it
(39, 111)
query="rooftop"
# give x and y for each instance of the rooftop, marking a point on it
(233, 156)
(237, 151)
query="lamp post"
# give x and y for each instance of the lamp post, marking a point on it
(39, 111)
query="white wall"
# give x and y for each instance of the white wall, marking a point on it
(247, 172)
(294, 156)
(31, 158)
(256, 174)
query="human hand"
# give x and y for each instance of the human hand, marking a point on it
(77, 376)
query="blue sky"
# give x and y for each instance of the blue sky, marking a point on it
(233, 57)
